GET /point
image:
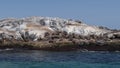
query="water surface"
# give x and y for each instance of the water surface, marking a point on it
(49, 59)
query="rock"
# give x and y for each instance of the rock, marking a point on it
(56, 34)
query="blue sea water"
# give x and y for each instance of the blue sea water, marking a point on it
(50, 59)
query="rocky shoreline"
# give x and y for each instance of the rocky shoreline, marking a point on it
(66, 46)
(61, 41)
(55, 34)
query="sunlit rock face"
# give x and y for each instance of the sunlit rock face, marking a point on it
(36, 27)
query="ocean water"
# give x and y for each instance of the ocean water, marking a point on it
(50, 59)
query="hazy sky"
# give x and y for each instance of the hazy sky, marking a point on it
(93, 12)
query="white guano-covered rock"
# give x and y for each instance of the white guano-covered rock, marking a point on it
(36, 27)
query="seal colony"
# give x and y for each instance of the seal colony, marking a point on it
(47, 33)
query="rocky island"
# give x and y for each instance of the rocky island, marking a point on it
(47, 33)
